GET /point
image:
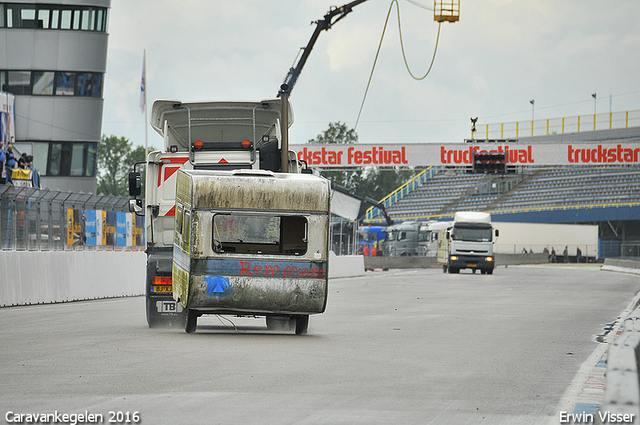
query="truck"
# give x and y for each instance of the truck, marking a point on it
(428, 237)
(251, 243)
(402, 239)
(467, 243)
(213, 135)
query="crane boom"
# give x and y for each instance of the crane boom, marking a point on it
(324, 24)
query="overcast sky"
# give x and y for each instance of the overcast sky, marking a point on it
(499, 56)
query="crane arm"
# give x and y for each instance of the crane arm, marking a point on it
(324, 24)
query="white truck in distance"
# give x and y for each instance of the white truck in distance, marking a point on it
(467, 243)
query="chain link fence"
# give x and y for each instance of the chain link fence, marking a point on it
(32, 219)
(613, 248)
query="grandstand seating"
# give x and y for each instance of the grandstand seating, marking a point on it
(543, 188)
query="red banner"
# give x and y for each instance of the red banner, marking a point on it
(461, 154)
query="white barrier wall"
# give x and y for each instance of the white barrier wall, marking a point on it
(345, 265)
(41, 277)
(515, 236)
(35, 277)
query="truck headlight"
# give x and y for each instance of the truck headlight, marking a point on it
(454, 258)
(489, 259)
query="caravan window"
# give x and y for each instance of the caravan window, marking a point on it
(259, 234)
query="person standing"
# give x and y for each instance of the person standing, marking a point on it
(565, 253)
(10, 163)
(2, 158)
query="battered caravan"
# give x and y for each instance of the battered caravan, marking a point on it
(468, 243)
(251, 243)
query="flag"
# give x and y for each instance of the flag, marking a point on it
(143, 95)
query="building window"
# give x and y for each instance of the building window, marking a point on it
(48, 16)
(19, 82)
(43, 83)
(89, 84)
(44, 18)
(71, 159)
(47, 83)
(65, 22)
(40, 156)
(65, 83)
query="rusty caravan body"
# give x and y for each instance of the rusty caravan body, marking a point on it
(251, 243)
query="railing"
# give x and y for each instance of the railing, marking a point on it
(402, 191)
(549, 126)
(45, 220)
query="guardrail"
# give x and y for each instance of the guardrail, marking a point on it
(402, 191)
(622, 391)
(548, 126)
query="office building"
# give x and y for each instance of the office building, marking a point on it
(53, 58)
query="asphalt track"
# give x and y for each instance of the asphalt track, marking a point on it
(397, 347)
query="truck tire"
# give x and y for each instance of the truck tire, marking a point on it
(302, 324)
(192, 322)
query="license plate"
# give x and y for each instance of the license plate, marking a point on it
(161, 289)
(168, 307)
(473, 265)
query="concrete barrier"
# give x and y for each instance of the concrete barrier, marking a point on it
(41, 277)
(622, 389)
(519, 259)
(345, 265)
(622, 266)
(371, 263)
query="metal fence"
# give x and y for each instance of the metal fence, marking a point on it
(547, 126)
(45, 220)
(613, 248)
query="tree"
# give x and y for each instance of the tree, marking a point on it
(341, 134)
(379, 182)
(116, 157)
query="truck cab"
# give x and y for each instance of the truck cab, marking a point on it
(402, 239)
(468, 243)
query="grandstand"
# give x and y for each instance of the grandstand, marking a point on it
(605, 194)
